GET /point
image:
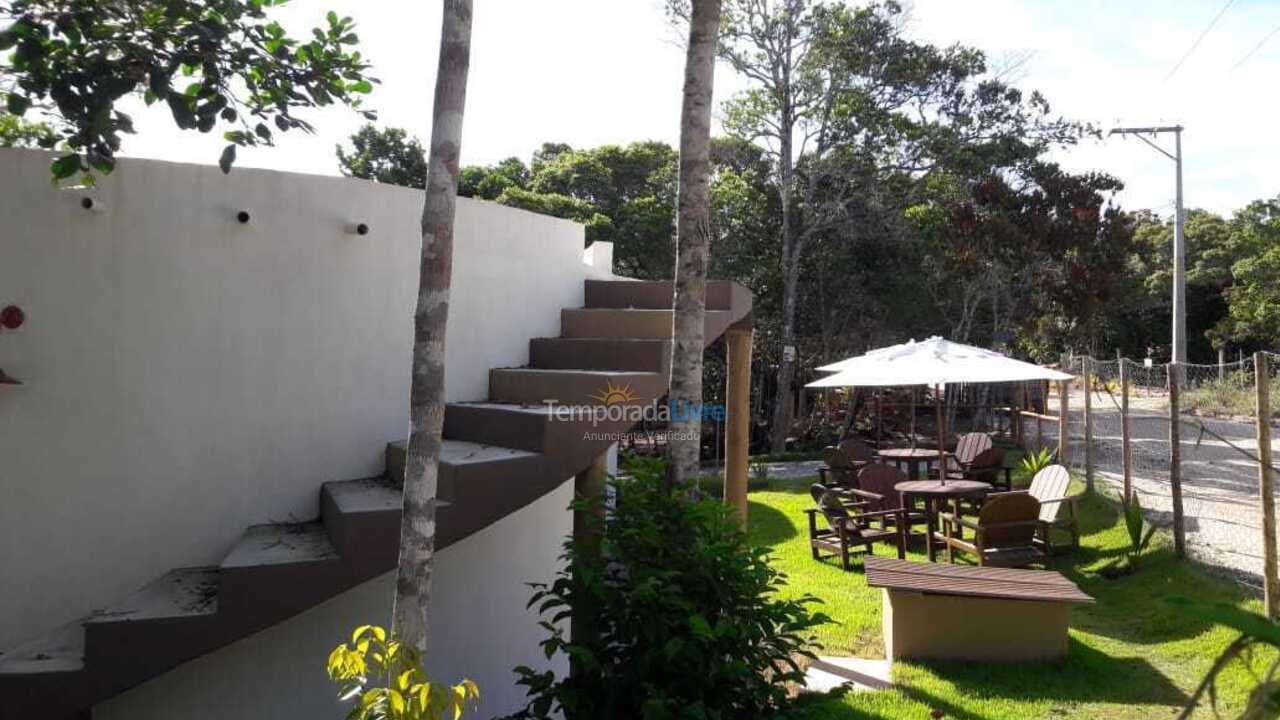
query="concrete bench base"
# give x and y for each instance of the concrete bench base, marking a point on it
(920, 626)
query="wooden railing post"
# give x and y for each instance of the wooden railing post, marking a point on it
(1175, 462)
(1087, 363)
(1266, 486)
(737, 437)
(1126, 440)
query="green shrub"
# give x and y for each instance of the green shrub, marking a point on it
(385, 679)
(687, 618)
(1035, 462)
(1234, 395)
(712, 486)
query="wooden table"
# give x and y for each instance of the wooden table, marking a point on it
(912, 458)
(934, 492)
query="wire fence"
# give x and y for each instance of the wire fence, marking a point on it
(1209, 482)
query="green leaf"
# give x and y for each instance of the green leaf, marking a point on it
(65, 166)
(364, 87)
(700, 627)
(227, 159)
(18, 104)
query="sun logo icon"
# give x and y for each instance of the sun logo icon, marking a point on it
(615, 395)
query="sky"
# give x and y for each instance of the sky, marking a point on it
(589, 72)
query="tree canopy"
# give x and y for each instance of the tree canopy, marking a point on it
(211, 62)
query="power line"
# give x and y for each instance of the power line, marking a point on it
(1196, 44)
(1256, 48)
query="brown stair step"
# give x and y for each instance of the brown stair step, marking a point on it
(624, 354)
(281, 544)
(59, 651)
(572, 387)
(649, 294)
(631, 323)
(457, 459)
(181, 593)
(362, 518)
(530, 428)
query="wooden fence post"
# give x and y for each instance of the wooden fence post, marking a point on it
(1064, 407)
(1175, 463)
(1125, 438)
(1266, 487)
(1087, 363)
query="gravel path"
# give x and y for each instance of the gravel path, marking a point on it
(1219, 483)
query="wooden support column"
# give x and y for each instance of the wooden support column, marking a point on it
(588, 526)
(1088, 422)
(1175, 462)
(1266, 488)
(737, 435)
(1126, 439)
(1064, 415)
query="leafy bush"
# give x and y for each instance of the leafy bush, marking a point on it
(712, 486)
(385, 679)
(1234, 395)
(687, 619)
(1133, 524)
(1035, 462)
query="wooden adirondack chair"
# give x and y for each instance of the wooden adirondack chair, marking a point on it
(858, 451)
(1004, 534)
(838, 470)
(968, 447)
(987, 467)
(877, 484)
(843, 462)
(850, 527)
(1049, 486)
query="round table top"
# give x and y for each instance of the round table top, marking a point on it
(909, 453)
(951, 487)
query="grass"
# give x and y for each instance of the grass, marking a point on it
(1131, 655)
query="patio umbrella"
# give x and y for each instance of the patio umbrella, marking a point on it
(937, 362)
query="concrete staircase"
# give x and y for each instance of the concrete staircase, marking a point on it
(499, 456)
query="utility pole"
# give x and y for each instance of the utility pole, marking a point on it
(1179, 242)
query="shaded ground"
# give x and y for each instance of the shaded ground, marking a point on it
(1132, 655)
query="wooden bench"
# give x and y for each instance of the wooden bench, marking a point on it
(972, 613)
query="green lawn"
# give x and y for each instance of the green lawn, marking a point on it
(1131, 655)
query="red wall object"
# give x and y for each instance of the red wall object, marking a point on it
(12, 317)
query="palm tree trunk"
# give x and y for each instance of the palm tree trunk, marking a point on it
(693, 236)
(427, 391)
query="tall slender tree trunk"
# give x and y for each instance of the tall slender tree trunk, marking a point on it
(693, 238)
(790, 266)
(427, 392)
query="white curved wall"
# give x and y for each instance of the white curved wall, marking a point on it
(188, 376)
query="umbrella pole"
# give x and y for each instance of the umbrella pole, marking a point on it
(942, 436)
(879, 420)
(913, 417)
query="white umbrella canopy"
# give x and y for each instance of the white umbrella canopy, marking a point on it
(935, 361)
